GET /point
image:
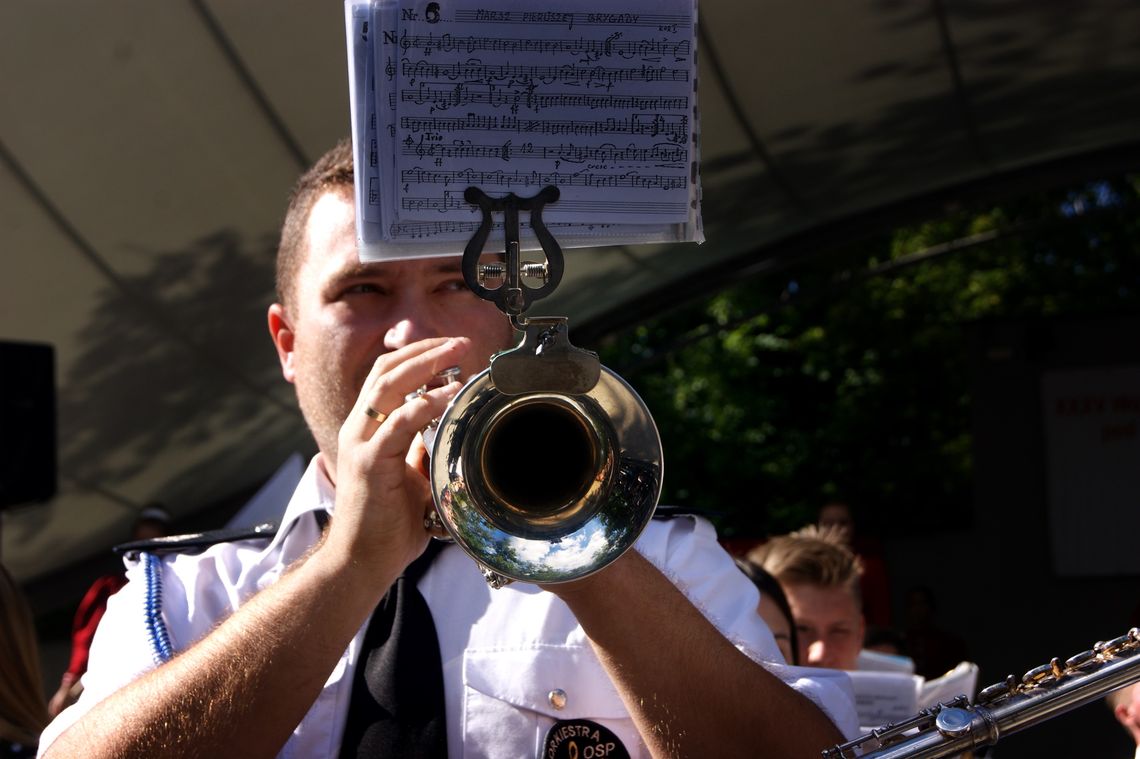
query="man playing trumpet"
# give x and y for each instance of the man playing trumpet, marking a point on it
(266, 645)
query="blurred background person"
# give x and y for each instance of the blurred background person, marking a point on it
(152, 522)
(773, 609)
(820, 577)
(874, 581)
(23, 710)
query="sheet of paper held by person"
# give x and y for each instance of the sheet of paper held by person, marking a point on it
(883, 697)
(596, 99)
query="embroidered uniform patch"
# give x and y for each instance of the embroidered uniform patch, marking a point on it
(582, 739)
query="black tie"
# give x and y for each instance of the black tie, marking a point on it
(396, 709)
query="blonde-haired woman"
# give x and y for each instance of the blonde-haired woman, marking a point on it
(23, 708)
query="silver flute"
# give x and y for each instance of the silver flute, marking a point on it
(958, 727)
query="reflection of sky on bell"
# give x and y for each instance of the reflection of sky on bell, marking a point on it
(571, 552)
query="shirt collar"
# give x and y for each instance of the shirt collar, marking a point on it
(314, 492)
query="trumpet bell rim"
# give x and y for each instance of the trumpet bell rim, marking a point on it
(595, 513)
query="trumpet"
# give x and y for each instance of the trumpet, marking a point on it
(546, 466)
(958, 727)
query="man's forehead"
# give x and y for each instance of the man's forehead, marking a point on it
(331, 227)
(441, 265)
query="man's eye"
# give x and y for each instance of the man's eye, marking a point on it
(362, 287)
(452, 285)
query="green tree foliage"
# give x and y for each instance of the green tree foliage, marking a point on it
(849, 375)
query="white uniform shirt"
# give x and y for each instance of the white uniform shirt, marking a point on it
(503, 651)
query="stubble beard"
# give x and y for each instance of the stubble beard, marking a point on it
(326, 403)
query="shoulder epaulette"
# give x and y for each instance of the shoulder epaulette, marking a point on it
(196, 541)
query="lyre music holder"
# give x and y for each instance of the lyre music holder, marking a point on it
(512, 297)
(545, 359)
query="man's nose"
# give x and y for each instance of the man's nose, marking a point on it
(817, 653)
(408, 330)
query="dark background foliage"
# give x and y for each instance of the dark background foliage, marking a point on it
(849, 375)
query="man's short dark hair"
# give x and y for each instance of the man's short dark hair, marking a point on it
(332, 171)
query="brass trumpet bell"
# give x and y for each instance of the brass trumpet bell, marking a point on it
(546, 467)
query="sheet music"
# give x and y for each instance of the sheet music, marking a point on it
(883, 696)
(510, 98)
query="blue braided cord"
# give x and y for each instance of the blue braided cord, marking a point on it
(160, 647)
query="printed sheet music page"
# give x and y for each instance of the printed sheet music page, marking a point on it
(594, 98)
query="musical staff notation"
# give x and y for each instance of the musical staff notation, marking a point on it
(495, 95)
(538, 179)
(608, 153)
(674, 128)
(455, 202)
(445, 96)
(478, 71)
(581, 48)
(431, 229)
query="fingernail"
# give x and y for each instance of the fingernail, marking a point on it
(450, 374)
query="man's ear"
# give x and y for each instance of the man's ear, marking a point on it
(282, 333)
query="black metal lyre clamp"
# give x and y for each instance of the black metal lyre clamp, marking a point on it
(513, 296)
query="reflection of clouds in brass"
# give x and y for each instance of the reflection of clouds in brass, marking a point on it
(571, 552)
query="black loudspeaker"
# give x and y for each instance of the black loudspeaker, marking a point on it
(27, 423)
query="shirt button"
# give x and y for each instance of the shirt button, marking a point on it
(557, 698)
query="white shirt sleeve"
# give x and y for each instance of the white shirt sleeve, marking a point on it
(686, 550)
(120, 653)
